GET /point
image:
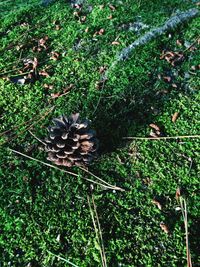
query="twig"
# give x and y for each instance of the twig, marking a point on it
(61, 258)
(171, 24)
(68, 172)
(161, 137)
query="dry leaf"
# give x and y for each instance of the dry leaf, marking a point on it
(178, 193)
(112, 7)
(102, 69)
(110, 17)
(55, 95)
(83, 19)
(167, 79)
(54, 55)
(179, 43)
(57, 27)
(164, 227)
(115, 43)
(43, 73)
(35, 63)
(77, 6)
(174, 85)
(154, 126)
(175, 117)
(48, 86)
(157, 203)
(87, 29)
(101, 31)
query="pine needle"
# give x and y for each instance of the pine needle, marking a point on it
(161, 137)
(68, 172)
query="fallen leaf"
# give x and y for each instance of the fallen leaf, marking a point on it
(83, 19)
(110, 17)
(175, 117)
(112, 7)
(167, 79)
(101, 31)
(164, 227)
(154, 126)
(102, 69)
(57, 27)
(43, 73)
(115, 43)
(179, 43)
(55, 95)
(35, 63)
(54, 55)
(174, 85)
(48, 86)
(178, 193)
(157, 203)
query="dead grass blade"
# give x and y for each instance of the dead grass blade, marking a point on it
(183, 205)
(97, 229)
(61, 258)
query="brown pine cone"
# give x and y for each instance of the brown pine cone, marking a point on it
(71, 141)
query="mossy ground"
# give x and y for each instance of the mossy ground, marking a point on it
(38, 203)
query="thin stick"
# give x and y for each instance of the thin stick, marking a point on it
(98, 178)
(161, 137)
(55, 167)
(100, 232)
(61, 258)
(96, 231)
(37, 138)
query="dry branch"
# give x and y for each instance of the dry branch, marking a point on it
(170, 25)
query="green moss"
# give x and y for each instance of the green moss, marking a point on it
(40, 205)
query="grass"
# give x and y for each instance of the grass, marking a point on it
(45, 219)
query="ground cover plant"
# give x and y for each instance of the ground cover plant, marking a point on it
(53, 58)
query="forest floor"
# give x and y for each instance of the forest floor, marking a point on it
(52, 60)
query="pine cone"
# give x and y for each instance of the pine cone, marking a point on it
(71, 141)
